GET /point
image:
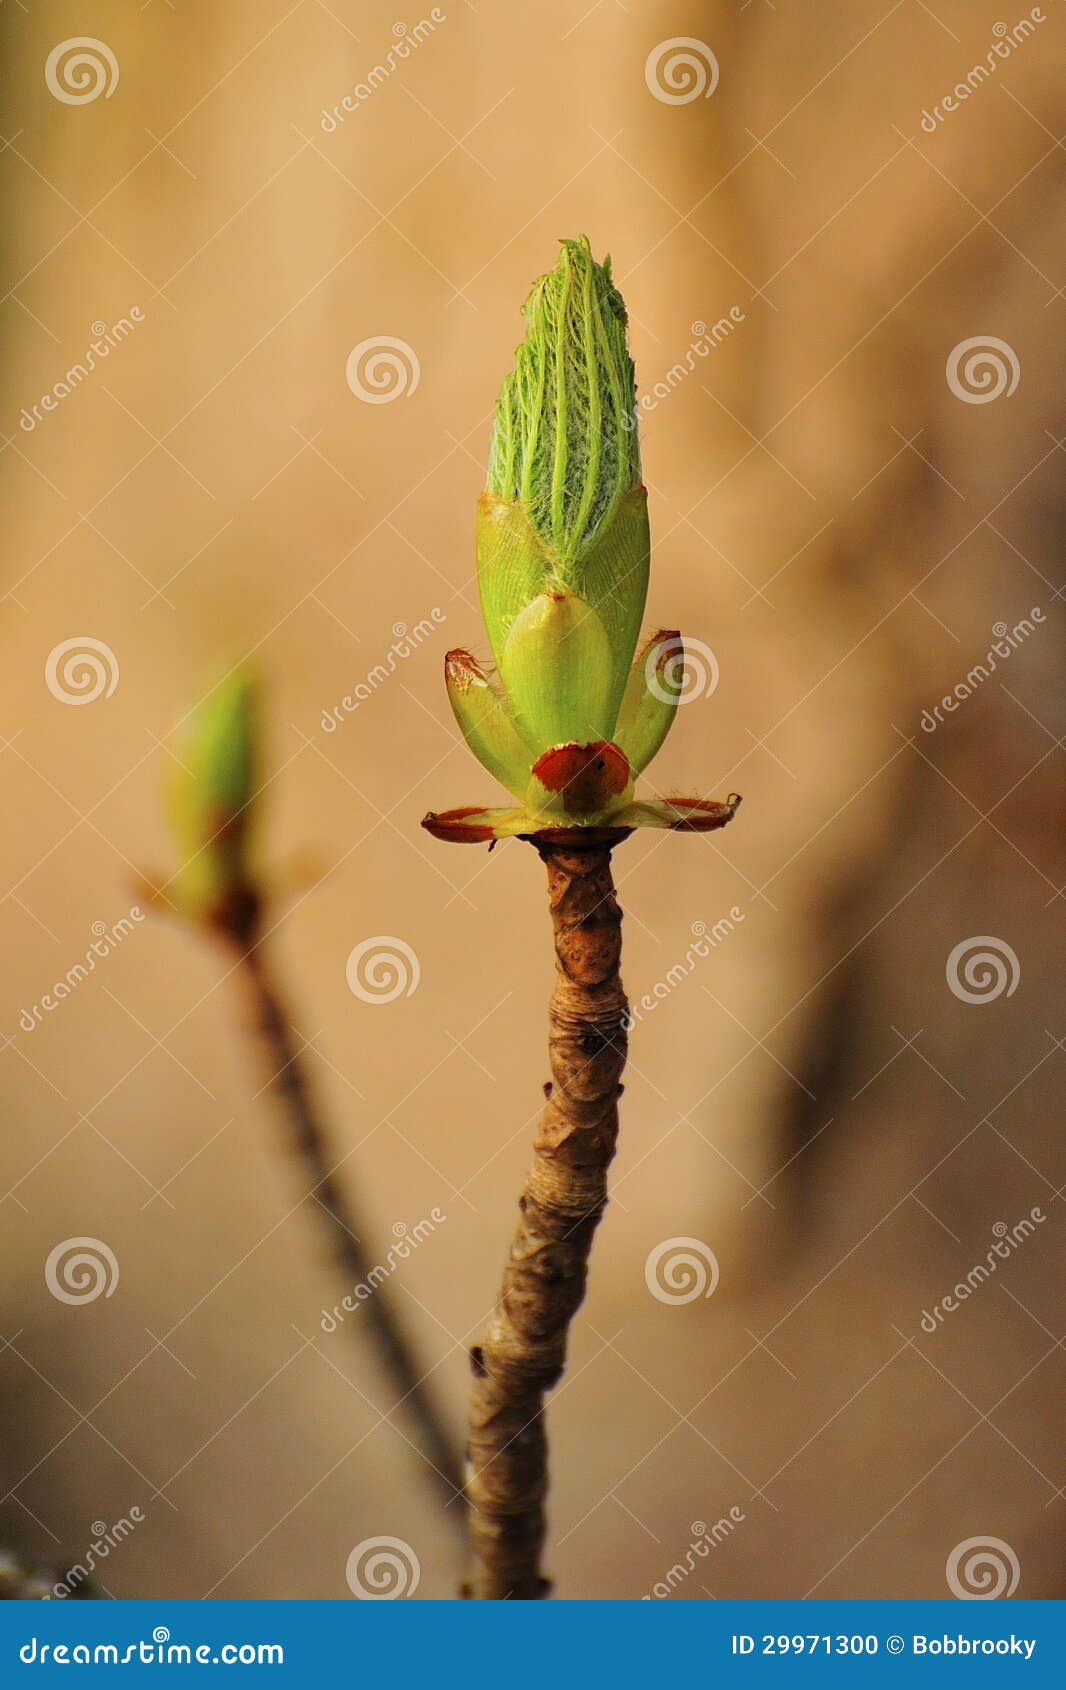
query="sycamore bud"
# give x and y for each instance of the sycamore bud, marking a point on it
(209, 794)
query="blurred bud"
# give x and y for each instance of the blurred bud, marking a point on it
(209, 793)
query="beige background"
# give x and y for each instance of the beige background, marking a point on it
(830, 519)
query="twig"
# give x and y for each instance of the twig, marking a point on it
(564, 1195)
(288, 1081)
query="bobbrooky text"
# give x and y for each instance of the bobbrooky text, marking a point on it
(1007, 640)
(405, 641)
(407, 1242)
(408, 37)
(705, 940)
(959, 1645)
(100, 348)
(1008, 1239)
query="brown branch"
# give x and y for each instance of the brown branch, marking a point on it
(289, 1084)
(565, 1193)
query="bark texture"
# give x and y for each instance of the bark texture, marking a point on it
(288, 1082)
(524, 1350)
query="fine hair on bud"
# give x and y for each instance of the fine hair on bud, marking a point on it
(563, 441)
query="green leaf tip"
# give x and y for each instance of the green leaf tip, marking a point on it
(564, 444)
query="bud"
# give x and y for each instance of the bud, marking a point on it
(562, 567)
(209, 794)
(564, 508)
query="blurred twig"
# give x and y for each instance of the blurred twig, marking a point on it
(305, 1135)
(211, 796)
(26, 1581)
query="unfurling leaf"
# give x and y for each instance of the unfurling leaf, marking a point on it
(562, 565)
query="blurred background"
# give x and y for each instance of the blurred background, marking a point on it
(846, 303)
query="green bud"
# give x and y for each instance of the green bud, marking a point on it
(564, 444)
(570, 719)
(209, 794)
(556, 671)
(564, 510)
